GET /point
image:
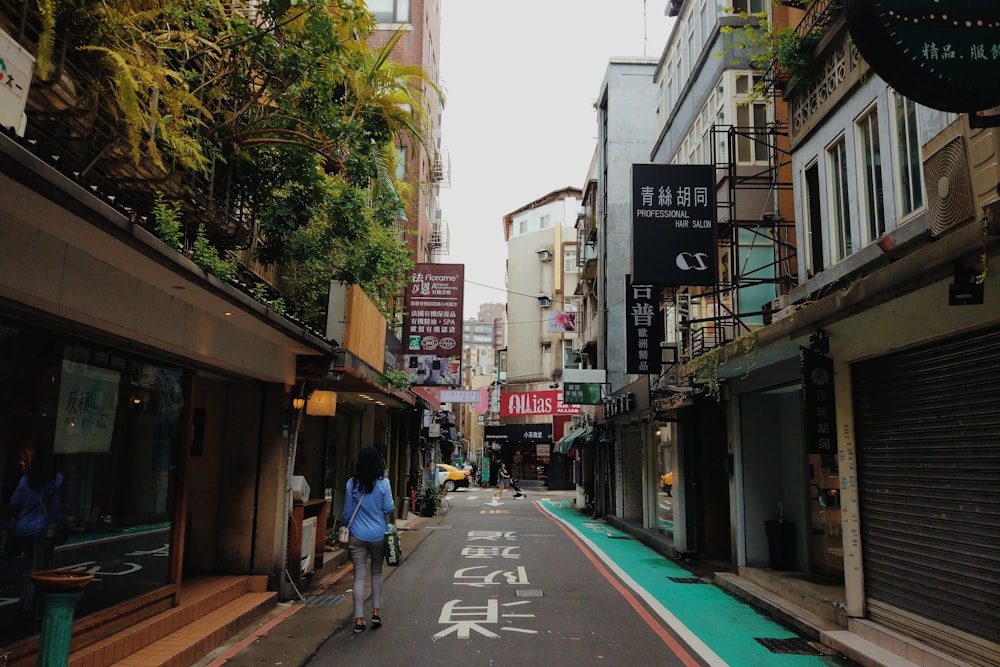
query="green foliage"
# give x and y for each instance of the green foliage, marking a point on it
(167, 222)
(395, 378)
(429, 495)
(207, 257)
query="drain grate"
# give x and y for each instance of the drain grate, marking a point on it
(686, 580)
(322, 600)
(440, 526)
(529, 592)
(792, 646)
(620, 537)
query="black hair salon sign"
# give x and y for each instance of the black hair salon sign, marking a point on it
(944, 54)
(673, 224)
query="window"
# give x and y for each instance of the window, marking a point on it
(522, 226)
(815, 219)
(390, 11)
(750, 6)
(569, 260)
(545, 221)
(401, 162)
(908, 168)
(840, 214)
(872, 204)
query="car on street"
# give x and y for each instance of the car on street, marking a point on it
(451, 477)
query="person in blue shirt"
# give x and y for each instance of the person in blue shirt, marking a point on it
(36, 502)
(368, 492)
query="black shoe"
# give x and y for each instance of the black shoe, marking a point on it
(376, 621)
(359, 628)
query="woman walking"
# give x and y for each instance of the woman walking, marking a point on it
(368, 500)
(502, 481)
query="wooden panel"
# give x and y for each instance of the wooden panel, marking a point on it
(364, 335)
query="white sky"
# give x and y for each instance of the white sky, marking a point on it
(520, 79)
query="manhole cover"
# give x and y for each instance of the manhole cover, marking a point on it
(686, 580)
(792, 646)
(529, 592)
(322, 600)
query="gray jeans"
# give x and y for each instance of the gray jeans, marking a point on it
(359, 551)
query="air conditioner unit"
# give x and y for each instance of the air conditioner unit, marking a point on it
(961, 172)
(544, 255)
(949, 187)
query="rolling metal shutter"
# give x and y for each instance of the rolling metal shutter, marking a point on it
(927, 426)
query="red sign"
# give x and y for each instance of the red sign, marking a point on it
(523, 403)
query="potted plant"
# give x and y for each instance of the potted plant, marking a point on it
(429, 499)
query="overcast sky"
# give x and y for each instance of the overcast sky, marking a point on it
(521, 78)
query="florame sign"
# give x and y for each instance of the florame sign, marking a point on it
(944, 54)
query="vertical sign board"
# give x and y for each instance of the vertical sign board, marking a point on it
(432, 324)
(643, 328)
(673, 224)
(820, 402)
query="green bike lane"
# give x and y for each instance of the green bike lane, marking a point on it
(716, 627)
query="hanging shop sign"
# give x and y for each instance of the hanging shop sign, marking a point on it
(536, 433)
(535, 403)
(643, 328)
(820, 402)
(944, 54)
(673, 224)
(432, 324)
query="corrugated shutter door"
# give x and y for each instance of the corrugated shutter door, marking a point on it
(928, 441)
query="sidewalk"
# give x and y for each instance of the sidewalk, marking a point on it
(305, 626)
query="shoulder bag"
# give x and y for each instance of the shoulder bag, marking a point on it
(344, 534)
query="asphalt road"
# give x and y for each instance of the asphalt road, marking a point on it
(494, 584)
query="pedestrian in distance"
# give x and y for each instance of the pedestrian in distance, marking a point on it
(368, 500)
(503, 478)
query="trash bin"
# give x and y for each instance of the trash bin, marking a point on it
(781, 544)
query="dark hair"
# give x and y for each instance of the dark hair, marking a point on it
(368, 469)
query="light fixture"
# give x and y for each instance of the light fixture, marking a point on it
(298, 403)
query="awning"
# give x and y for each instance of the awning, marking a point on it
(574, 439)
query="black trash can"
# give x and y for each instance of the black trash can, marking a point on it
(781, 544)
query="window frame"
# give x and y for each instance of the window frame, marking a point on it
(905, 195)
(838, 198)
(871, 183)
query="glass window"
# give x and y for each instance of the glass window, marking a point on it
(870, 165)
(103, 428)
(545, 221)
(390, 11)
(522, 226)
(569, 260)
(839, 198)
(908, 167)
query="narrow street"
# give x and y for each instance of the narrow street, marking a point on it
(534, 579)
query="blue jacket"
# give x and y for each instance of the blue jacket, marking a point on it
(369, 523)
(36, 509)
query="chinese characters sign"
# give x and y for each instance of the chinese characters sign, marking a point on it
(673, 224)
(643, 328)
(521, 403)
(536, 433)
(88, 402)
(817, 386)
(432, 324)
(941, 53)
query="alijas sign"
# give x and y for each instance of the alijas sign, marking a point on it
(535, 403)
(673, 224)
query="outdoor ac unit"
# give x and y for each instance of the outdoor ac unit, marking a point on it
(961, 172)
(544, 255)
(949, 188)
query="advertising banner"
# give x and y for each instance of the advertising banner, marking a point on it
(643, 328)
(673, 224)
(518, 433)
(432, 324)
(820, 403)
